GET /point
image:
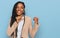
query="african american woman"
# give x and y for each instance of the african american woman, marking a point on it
(20, 25)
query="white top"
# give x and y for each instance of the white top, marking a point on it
(20, 25)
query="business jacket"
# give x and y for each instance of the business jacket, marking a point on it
(27, 28)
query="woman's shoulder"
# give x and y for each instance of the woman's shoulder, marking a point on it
(28, 17)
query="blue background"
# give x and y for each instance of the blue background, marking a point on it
(48, 12)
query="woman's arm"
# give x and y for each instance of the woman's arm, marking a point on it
(33, 30)
(10, 30)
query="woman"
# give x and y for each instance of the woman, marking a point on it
(20, 25)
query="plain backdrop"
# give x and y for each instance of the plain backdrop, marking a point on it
(48, 12)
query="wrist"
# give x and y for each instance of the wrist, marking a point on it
(36, 22)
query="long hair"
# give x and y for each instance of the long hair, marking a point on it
(13, 17)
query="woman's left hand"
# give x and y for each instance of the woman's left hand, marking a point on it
(35, 20)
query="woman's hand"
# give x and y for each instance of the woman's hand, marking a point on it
(18, 18)
(35, 20)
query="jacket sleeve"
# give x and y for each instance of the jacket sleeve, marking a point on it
(10, 30)
(33, 30)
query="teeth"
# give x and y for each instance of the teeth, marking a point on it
(19, 11)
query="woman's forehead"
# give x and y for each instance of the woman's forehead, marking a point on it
(20, 4)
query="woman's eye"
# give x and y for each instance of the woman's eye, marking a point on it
(22, 8)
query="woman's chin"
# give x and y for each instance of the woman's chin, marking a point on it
(19, 14)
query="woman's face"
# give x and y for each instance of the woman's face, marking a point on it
(20, 9)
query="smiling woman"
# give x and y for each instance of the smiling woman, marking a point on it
(20, 24)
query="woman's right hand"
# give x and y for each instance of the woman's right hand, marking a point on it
(18, 18)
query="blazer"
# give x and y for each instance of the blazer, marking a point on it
(27, 29)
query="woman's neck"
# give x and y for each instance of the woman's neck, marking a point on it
(18, 18)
